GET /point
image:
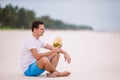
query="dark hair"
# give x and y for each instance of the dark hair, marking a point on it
(36, 24)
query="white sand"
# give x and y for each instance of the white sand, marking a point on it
(95, 55)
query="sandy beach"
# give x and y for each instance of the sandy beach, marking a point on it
(95, 55)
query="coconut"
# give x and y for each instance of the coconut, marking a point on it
(57, 42)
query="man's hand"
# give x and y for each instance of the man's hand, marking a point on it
(67, 58)
(56, 50)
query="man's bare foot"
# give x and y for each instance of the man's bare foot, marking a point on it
(54, 74)
(64, 74)
(58, 74)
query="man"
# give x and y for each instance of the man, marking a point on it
(34, 62)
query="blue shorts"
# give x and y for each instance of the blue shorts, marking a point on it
(33, 70)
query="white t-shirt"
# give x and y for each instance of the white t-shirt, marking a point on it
(26, 56)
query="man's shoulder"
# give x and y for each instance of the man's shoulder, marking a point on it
(29, 39)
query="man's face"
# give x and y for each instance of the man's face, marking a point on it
(40, 31)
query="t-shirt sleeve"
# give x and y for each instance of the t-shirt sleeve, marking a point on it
(30, 44)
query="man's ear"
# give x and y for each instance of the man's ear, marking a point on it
(35, 29)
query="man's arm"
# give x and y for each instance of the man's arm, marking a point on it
(48, 46)
(66, 56)
(37, 56)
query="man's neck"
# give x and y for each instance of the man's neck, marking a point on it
(37, 37)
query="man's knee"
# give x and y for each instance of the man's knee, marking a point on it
(44, 60)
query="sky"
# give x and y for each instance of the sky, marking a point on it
(102, 15)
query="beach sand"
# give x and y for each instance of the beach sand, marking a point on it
(95, 55)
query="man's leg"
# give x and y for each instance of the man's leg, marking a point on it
(54, 59)
(44, 63)
(50, 66)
